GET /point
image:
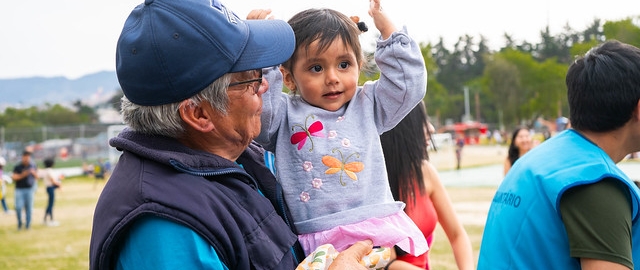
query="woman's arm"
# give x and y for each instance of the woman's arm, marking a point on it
(507, 166)
(448, 219)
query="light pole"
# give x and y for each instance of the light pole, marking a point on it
(467, 116)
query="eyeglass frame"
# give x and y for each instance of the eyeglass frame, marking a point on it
(255, 89)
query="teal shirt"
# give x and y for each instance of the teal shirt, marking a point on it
(155, 243)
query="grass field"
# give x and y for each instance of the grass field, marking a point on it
(42, 247)
(67, 246)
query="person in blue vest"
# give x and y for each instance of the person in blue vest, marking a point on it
(566, 204)
(190, 190)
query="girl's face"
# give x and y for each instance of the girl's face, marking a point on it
(326, 79)
(523, 140)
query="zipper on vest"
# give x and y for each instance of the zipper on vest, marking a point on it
(180, 167)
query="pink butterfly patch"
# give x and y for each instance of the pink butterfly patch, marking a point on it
(300, 137)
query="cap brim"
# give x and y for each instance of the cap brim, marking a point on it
(270, 43)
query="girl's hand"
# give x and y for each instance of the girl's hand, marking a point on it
(260, 14)
(380, 19)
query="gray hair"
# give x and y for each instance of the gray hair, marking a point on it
(165, 119)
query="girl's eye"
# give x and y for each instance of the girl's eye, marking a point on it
(316, 68)
(344, 65)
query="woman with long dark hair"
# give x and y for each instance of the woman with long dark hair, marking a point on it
(521, 143)
(415, 181)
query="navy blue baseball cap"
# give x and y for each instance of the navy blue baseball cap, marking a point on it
(170, 50)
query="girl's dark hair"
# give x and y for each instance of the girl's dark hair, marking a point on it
(405, 150)
(324, 25)
(514, 151)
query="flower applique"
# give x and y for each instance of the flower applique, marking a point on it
(342, 166)
(340, 119)
(345, 143)
(307, 166)
(300, 137)
(316, 183)
(333, 134)
(304, 196)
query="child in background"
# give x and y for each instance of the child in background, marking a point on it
(325, 134)
(51, 182)
(4, 180)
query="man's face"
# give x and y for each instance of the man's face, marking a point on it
(241, 124)
(26, 159)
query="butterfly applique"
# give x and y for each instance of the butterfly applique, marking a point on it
(341, 165)
(300, 137)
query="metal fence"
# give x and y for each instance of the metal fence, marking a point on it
(85, 142)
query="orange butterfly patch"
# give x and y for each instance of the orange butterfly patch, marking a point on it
(341, 165)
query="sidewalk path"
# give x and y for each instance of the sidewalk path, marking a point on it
(472, 156)
(472, 187)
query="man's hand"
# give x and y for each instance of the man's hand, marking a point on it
(350, 258)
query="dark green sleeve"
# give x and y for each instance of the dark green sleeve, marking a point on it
(597, 218)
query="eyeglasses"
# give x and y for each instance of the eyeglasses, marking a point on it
(255, 83)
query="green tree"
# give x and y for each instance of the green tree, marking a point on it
(464, 63)
(436, 98)
(57, 115)
(14, 117)
(87, 113)
(503, 87)
(522, 88)
(624, 31)
(116, 100)
(593, 33)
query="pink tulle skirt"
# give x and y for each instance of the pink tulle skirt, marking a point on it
(394, 230)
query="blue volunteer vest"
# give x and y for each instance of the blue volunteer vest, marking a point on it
(524, 229)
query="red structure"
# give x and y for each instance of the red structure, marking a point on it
(470, 131)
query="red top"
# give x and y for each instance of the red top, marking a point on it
(424, 215)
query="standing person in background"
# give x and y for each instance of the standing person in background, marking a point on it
(3, 184)
(324, 133)
(24, 175)
(497, 136)
(99, 172)
(459, 145)
(415, 181)
(51, 181)
(190, 190)
(521, 143)
(566, 204)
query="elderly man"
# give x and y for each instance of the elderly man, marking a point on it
(190, 190)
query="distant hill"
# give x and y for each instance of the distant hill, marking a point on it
(35, 91)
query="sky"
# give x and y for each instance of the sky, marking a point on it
(73, 38)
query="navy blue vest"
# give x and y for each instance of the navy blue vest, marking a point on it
(211, 195)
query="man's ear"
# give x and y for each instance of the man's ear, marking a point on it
(636, 112)
(198, 117)
(287, 79)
